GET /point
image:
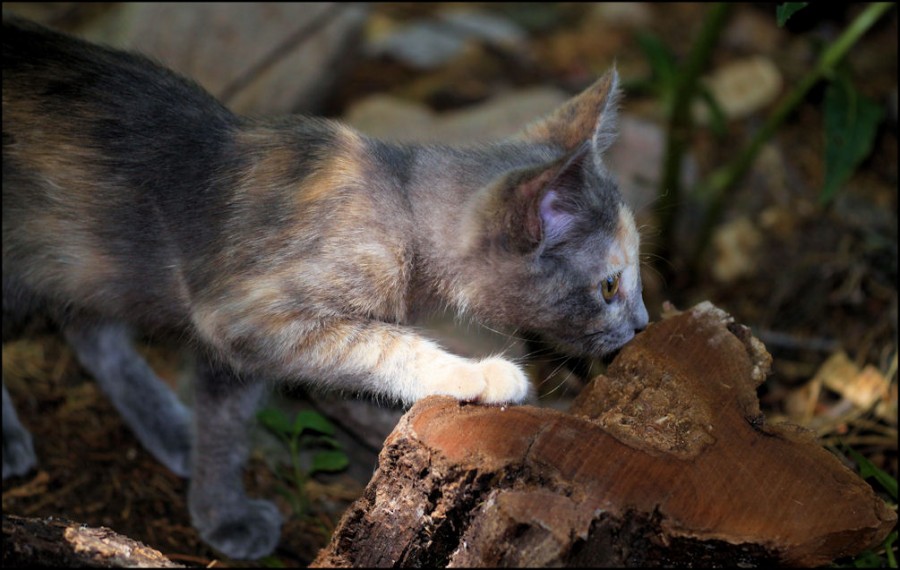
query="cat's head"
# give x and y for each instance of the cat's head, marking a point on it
(561, 244)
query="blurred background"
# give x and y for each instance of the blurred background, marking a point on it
(757, 146)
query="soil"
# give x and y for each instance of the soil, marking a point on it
(823, 279)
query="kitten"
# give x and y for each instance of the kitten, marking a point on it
(290, 250)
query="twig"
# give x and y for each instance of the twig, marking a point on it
(788, 341)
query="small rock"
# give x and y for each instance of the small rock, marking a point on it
(388, 117)
(491, 29)
(736, 245)
(501, 116)
(399, 120)
(742, 87)
(751, 31)
(622, 14)
(423, 45)
(428, 44)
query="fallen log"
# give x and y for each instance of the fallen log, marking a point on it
(60, 543)
(664, 460)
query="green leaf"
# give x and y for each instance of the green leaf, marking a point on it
(274, 420)
(329, 461)
(329, 441)
(867, 469)
(784, 11)
(313, 421)
(851, 122)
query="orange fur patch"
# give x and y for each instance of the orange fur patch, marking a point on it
(574, 122)
(342, 169)
(627, 235)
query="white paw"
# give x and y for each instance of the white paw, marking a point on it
(491, 381)
(505, 383)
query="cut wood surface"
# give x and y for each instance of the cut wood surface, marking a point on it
(665, 460)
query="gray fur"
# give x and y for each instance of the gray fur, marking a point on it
(155, 415)
(292, 250)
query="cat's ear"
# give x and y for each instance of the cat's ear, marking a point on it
(546, 201)
(559, 197)
(590, 116)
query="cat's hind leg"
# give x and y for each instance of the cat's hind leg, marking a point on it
(236, 525)
(18, 451)
(153, 412)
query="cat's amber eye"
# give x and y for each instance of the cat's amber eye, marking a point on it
(609, 287)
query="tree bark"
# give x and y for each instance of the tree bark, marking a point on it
(56, 542)
(665, 460)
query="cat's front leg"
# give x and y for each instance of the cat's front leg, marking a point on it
(391, 360)
(236, 525)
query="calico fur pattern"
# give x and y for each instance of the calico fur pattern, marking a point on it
(287, 249)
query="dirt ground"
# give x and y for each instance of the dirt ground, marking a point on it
(819, 289)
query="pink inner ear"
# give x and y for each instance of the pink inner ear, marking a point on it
(554, 221)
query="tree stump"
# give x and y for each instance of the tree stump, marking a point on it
(665, 460)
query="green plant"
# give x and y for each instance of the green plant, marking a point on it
(309, 434)
(677, 88)
(784, 11)
(850, 124)
(867, 470)
(850, 121)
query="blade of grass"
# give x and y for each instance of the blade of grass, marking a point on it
(867, 469)
(889, 549)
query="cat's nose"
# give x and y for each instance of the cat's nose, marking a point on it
(640, 318)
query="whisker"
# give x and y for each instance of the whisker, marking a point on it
(532, 356)
(657, 196)
(660, 259)
(647, 231)
(501, 333)
(561, 382)
(555, 371)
